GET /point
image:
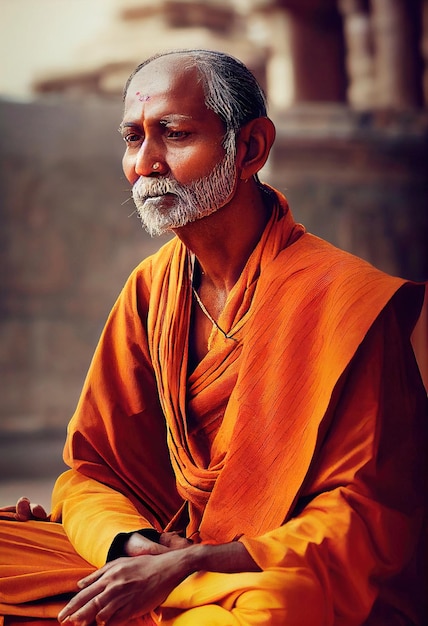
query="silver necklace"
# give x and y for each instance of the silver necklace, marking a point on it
(203, 307)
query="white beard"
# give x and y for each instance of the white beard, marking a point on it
(189, 203)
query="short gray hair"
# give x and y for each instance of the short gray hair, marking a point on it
(230, 89)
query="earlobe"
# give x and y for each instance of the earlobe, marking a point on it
(254, 143)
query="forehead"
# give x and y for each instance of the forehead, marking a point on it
(171, 82)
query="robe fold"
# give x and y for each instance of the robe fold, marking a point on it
(303, 435)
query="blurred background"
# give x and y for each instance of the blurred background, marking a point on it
(347, 83)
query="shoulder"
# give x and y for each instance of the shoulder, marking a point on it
(326, 266)
(151, 267)
(134, 297)
(314, 278)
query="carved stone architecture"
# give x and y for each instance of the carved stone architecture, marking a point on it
(369, 53)
(346, 81)
(385, 62)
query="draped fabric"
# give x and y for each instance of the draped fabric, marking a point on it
(303, 436)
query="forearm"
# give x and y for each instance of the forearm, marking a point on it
(93, 515)
(227, 558)
(138, 585)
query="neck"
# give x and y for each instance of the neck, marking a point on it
(223, 241)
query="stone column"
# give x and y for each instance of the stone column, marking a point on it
(398, 64)
(317, 51)
(359, 53)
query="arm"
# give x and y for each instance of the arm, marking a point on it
(360, 516)
(128, 588)
(121, 478)
(358, 522)
(93, 515)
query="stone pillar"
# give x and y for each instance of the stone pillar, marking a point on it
(268, 28)
(317, 51)
(359, 53)
(397, 40)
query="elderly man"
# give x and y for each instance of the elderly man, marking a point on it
(249, 444)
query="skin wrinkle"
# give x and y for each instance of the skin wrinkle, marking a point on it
(193, 201)
(229, 90)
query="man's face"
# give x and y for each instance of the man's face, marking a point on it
(167, 122)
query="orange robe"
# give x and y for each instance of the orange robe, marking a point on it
(304, 436)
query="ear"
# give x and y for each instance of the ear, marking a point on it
(253, 144)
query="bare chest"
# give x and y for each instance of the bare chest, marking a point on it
(204, 316)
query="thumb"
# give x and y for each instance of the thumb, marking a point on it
(38, 511)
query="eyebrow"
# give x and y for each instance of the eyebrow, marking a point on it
(124, 125)
(171, 118)
(174, 118)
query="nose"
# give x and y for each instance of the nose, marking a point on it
(149, 161)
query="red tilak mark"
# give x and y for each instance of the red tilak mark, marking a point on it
(142, 97)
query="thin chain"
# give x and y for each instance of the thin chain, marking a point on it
(206, 312)
(203, 307)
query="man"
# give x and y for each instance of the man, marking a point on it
(249, 444)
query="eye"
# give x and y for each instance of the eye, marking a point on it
(132, 138)
(177, 134)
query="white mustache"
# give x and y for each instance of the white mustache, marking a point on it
(146, 188)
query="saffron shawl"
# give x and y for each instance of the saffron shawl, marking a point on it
(297, 316)
(279, 438)
(303, 436)
(298, 313)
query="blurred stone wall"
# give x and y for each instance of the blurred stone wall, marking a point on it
(355, 174)
(359, 180)
(68, 241)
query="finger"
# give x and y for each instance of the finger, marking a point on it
(8, 509)
(113, 617)
(82, 606)
(89, 613)
(174, 541)
(107, 614)
(138, 545)
(23, 511)
(117, 612)
(94, 576)
(38, 512)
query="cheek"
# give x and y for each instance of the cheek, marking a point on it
(128, 169)
(197, 164)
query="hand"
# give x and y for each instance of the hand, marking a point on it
(137, 544)
(174, 541)
(125, 589)
(131, 587)
(25, 510)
